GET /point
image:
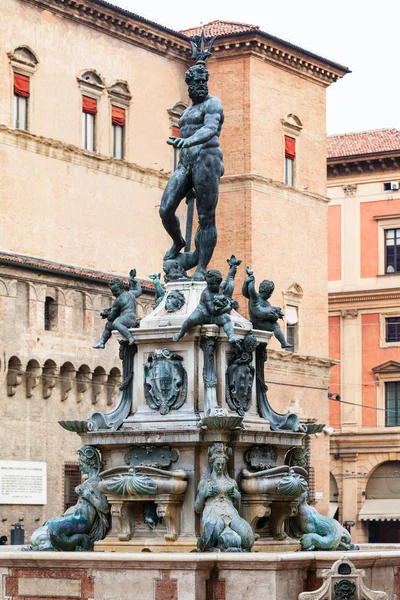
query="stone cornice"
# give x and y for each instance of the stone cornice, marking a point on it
(265, 185)
(72, 154)
(300, 359)
(363, 297)
(281, 53)
(122, 24)
(363, 165)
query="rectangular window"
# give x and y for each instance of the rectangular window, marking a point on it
(21, 95)
(392, 329)
(72, 478)
(89, 111)
(118, 131)
(392, 403)
(290, 155)
(392, 250)
(292, 327)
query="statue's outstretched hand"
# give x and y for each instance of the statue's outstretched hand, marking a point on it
(176, 142)
(249, 273)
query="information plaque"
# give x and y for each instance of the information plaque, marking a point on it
(22, 482)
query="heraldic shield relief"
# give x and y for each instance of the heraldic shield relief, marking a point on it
(165, 381)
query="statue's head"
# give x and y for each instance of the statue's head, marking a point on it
(213, 280)
(218, 456)
(89, 458)
(196, 78)
(249, 343)
(266, 288)
(174, 301)
(117, 286)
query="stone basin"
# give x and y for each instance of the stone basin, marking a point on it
(168, 482)
(267, 481)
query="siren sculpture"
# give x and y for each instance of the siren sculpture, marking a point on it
(86, 522)
(218, 502)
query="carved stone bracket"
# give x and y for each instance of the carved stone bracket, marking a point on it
(32, 377)
(350, 313)
(169, 509)
(14, 375)
(280, 511)
(254, 508)
(122, 525)
(343, 582)
(49, 378)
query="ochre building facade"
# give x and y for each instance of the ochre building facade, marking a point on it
(364, 334)
(91, 93)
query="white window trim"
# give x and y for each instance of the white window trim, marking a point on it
(382, 341)
(383, 225)
(124, 105)
(291, 127)
(381, 379)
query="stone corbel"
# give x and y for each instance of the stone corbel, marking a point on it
(254, 508)
(350, 313)
(280, 511)
(32, 377)
(122, 525)
(98, 380)
(169, 508)
(14, 376)
(83, 379)
(67, 377)
(49, 379)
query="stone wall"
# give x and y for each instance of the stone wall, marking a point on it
(207, 576)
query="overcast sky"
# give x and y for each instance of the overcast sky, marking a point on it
(362, 35)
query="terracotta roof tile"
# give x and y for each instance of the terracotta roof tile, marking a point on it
(18, 260)
(363, 142)
(220, 28)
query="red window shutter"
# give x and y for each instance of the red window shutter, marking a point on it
(176, 131)
(89, 105)
(290, 147)
(21, 85)
(118, 116)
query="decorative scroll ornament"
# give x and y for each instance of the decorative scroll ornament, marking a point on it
(127, 485)
(240, 375)
(165, 386)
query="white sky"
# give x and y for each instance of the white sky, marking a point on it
(363, 35)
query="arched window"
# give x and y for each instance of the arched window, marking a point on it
(91, 85)
(120, 98)
(23, 63)
(175, 114)
(50, 314)
(292, 127)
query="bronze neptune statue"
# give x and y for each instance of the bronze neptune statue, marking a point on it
(199, 170)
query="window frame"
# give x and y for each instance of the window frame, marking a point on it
(385, 222)
(382, 317)
(383, 377)
(396, 383)
(86, 118)
(17, 101)
(290, 173)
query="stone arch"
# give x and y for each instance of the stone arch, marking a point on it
(14, 375)
(83, 379)
(32, 376)
(113, 383)
(384, 481)
(98, 381)
(175, 112)
(67, 377)
(49, 377)
(3, 288)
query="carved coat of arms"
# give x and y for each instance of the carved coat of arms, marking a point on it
(165, 381)
(240, 376)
